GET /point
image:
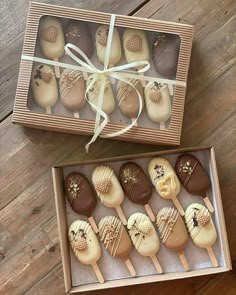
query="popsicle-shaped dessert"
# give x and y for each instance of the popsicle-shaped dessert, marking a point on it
(173, 232)
(201, 228)
(135, 47)
(158, 103)
(193, 177)
(136, 186)
(128, 98)
(109, 189)
(165, 181)
(144, 237)
(116, 240)
(44, 87)
(72, 90)
(81, 196)
(52, 40)
(85, 245)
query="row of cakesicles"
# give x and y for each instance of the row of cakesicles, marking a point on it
(135, 184)
(72, 85)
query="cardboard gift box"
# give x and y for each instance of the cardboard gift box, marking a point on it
(28, 113)
(79, 277)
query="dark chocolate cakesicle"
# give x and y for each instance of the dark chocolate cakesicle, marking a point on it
(136, 186)
(81, 196)
(193, 177)
(165, 53)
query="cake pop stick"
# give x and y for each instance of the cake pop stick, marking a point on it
(136, 186)
(165, 181)
(116, 240)
(173, 232)
(109, 189)
(52, 40)
(202, 229)
(81, 196)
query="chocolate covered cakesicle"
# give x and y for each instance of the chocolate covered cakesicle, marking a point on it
(109, 189)
(193, 177)
(173, 232)
(116, 240)
(72, 90)
(136, 186)
(165, 181)
(201, 228)
(52, 40)
(144, 237)
(44, 87)
(81, 196)
(85, 245)
(158, 103)
(165, 53)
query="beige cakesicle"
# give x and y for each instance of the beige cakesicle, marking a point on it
(173, 232)
(158, 103)
(144, 237)
(52, 41)
(44, 86)
(165, 180)
(85, 245)
(116, 240)
(201, 228)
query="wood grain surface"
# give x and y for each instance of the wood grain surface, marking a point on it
(30, 261)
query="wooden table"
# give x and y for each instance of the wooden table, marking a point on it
(30, 261)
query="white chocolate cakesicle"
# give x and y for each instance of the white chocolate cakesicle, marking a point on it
(44, 86)
(158, 102)
(201, 228)
(165, 180)
(144, 237)
(85, 245)
(72, 90)
(108, 104)
(101, 45)
(109, 189)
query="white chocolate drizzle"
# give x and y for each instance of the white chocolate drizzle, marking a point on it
(68, 79)
(124, 89)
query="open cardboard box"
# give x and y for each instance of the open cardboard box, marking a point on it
(80, 278)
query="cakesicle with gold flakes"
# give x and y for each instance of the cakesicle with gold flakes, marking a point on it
(116, 240)
(202, 229)
(173, 232)
(52, 40)
(144, 237)
(85, 245)
(44, 87)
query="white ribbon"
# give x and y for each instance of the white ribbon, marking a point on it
(102, 75)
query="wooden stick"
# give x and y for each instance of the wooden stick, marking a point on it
(48, 110)
(208, 204)
(85, 75)
(136, 124)
(156, 264)
(150, 213)
(57, 69)
(93, 224)
(178, 206)
(162, 126)
(76, 115)
(130, 267)
(183, 260)
(212, 257)
(98, 273)
(121, 215)
(171, 90)
(143, 82)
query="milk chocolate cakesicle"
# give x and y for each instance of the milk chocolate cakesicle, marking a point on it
(72, 90)
(85, 245)
(193, 177)
(165, 181)
(173, 232)
(116, 240)
(52, 40)
(201, 228)
(44, 86)
(144, 237)
(81, 196)
(136, 186)
(109, 189)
